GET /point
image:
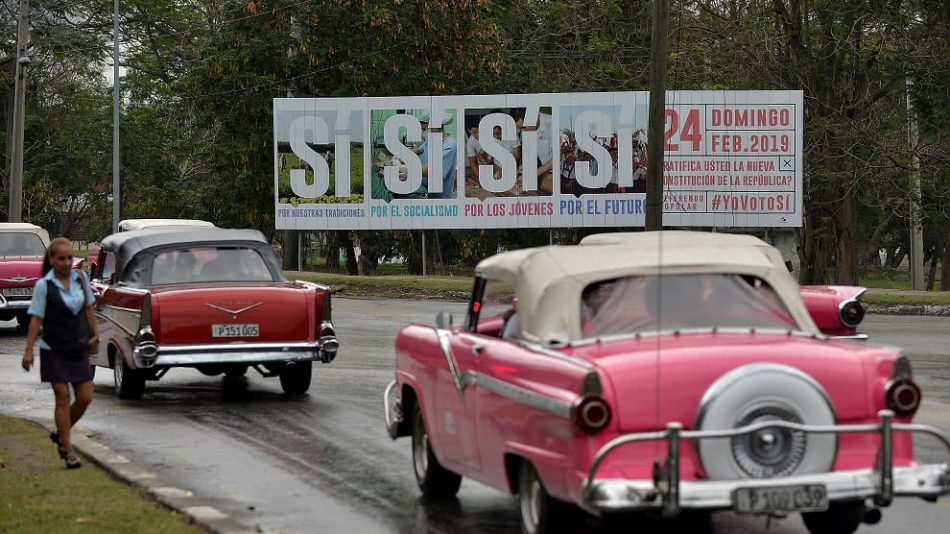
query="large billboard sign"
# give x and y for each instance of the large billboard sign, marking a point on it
(551, 160)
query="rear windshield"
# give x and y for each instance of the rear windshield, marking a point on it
(210, 264)
(651, 303)
(21, 244)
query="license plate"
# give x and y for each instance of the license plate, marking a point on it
(798, 498)
(17, 291)
(235, 330)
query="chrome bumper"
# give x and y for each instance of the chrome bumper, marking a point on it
(392, 410)
(16, 305)
(669, 495)
(150, 355)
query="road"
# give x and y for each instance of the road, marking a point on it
(323, 462)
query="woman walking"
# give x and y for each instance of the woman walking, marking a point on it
(63, 306)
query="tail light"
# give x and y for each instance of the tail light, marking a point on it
(851, 313)
(591, 414)
(902, 395)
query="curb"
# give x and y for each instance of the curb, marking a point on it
(183, 501)
(909, 309)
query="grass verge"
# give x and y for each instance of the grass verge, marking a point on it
(406, 287)
(460, 287)
(38, 493)
(907, 299)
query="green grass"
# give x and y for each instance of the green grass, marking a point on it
(38, 493)
(886, 283)
(911, 299)
(393, 286)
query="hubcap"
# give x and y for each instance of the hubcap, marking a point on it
(531, 504)
(770, 452)
(117, 374)
(420, 448)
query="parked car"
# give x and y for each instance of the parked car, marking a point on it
(22, 247)
(836, 310)
(656, 380)
(212, 299)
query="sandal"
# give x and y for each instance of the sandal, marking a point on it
(54, 437)
(72, 460)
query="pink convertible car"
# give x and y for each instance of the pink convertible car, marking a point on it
(606, 379)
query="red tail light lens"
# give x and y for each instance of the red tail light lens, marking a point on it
(592, 414)
(902, 396)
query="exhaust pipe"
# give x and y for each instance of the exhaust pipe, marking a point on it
(872, 516)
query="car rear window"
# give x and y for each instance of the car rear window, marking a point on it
(15, 244)
(674, 302)
(210, 264)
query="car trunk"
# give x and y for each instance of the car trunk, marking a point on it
(690, 364)
(223, 314)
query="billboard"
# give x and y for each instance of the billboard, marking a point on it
(548, 160)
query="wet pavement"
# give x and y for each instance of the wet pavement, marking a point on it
(324, 463)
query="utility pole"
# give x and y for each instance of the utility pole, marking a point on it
(115, 117)
(916, 229)
(15, 200)
(657, 119)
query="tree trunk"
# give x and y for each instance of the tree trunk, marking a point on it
(932, 275)
(332, 251)
(846, 229)
(289, 249)
(945, 272)
(347, 244)
(414, 258)
(815, 255)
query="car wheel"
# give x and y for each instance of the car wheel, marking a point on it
(759, 393)
(840, 518)
(541, 513)
(433, 479)
(295, 377)
(235, 372)
(129, 383)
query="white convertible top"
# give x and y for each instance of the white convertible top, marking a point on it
(548, 281)
(26, 228)
(685, 238)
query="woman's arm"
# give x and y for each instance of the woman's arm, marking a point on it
(32, 333)
(93, 329)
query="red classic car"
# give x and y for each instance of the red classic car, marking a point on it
(612, 379)
(836, 310)
(22, 247)
(211, 299)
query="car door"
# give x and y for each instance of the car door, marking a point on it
(456, 400)
(118, 310)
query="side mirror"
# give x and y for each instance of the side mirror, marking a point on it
(443, 320)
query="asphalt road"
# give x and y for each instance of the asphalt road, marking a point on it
(324, 463)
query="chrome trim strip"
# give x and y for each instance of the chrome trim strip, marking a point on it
(518, 394)
(20, 279)
(233, 312)
(121, 326)
(684, 331)
(136, 311)
(883, 483)
(239, 346)
(855, 337)
(534, 347)
(446, 347)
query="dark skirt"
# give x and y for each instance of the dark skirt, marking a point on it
(59, 368)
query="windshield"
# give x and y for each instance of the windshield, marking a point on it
(210, 264)
(651, 303)
(21, 244)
